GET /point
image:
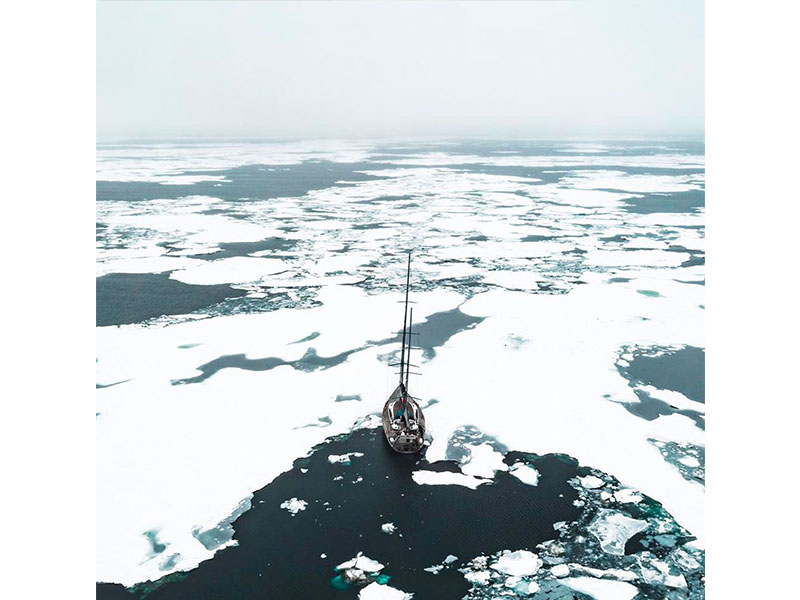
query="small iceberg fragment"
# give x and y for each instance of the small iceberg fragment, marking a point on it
(447, 478)
(359, 570)
(559, 570)
(449, 560)
(590, 482)
(613, 530)
(294, 505)
(478, 577)
(361, 562)
(602, 589)
(484, 461)
(522, 586)
(518, 564)
(388, 528)
(344, 459)
(627, 496)
(525, 473)
(433, 569)
(658, 572)
(376, 591)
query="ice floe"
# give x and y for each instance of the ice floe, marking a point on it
(361, 562)
(389, 528)
(613, 529)
(344, 458)
(294, 505)
(238, 269)
(559, 570)
(602, 589)
(447, 478)
(525, 473)
(519, 563)
(590, 482)
(376, 591)
(484, 461)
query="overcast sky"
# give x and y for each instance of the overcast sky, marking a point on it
(573, 68)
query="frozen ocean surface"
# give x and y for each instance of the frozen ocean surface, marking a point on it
(247, 314)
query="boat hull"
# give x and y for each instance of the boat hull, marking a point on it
(405, 439)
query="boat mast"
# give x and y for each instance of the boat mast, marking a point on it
(408, 356)
(405, 315)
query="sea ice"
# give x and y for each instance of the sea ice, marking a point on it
(148, 417)
(447, 478)
(376, 591)
(525, 473)
(364, 563)
(602, 589)
(484, 461)
(590, 482)
(627, 496)
(238, 269)
(294, 505)
(434, 569)
(559, 570)
(613, 529)
(479, 577)
(518, 564)
(344, 458)
(389, 528)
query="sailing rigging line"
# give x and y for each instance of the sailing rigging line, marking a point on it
(408, 358)
(405, 316)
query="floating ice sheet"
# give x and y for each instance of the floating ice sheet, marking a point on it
(376, 591)
(613, 530)
(447, 478)
(602, 589)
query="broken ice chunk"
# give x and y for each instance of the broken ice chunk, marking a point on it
(343, 458)
(613, 530)
(361, 562)
(602, 589)
(434, 569)
(376, 591)
(686, 560)
(484, 461)
(627, 496)
(294, 505)
(590, 482)
(447, 478)
(519, 563)
(479, 577)
(389, 528)
(559, 570)
(525, 473)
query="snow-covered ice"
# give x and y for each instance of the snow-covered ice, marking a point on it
(294, 505)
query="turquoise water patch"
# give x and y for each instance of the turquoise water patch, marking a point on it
(308, 338)
(156, 547)
(343, 398)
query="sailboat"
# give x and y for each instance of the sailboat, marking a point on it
(403, 421)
